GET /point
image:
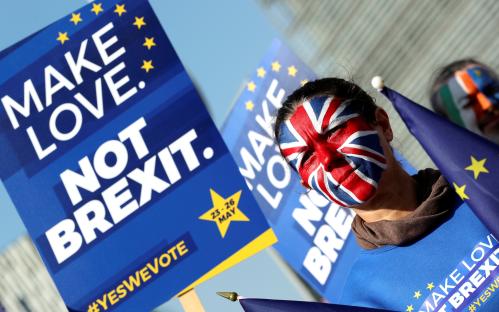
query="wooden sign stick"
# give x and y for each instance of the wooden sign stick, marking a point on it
(190, 301)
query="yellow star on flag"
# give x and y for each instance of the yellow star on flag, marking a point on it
(76, 18)
(251, 86)
(63, 37)
(249, 105)
(139, 22)
(409, 308)
(276, 66)
(120, 9)
(260, 72)
(477, 166)
(430, 286)
(417, 294)
(224, 211)
(147, 65)
(149, 43)
(97, 8)
(460, 190)
(292, 71)
(303, 82)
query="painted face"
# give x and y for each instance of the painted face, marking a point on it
(334, 150)
(471, 99)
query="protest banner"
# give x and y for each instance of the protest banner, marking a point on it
(314, 234)
(114, 165)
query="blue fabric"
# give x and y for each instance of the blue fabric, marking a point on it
(390, 277)
(451, 148)
(268, 305)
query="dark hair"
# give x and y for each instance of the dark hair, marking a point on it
(442, 75)
(346, 90)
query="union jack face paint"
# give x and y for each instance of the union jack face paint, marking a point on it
(334, 150)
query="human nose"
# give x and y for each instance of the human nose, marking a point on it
(481, 106)
(483, 101)
(326, 156)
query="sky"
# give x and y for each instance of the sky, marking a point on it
(219, 45)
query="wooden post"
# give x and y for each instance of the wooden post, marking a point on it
(190, 301)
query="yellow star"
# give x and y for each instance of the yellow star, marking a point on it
(63, 37)
(409, 308)
(97, 8)
(478, 72)
(477, 166)
(120, 9)
(303, 82)
(224, 211)
(149, 43)
(139, 22)
(147, 65)
(260, 72)
(250, 105)
(430, 286)
(417, 294)
(276, 66)
(76, 18)
(460, 190)
(251, 86)
(292, 71)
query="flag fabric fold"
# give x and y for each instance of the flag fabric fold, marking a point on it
(469, 162)
(268, 305)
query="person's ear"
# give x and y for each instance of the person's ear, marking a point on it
(383, 121)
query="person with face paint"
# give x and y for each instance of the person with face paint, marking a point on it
(414, 230)
(467, 92)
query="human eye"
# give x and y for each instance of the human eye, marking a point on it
(466, 102)
(329, 133)
(306, 156)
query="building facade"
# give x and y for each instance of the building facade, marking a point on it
(402, 40)
(25, 285)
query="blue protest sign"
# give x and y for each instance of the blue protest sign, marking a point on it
(114, 165)
(314, 234)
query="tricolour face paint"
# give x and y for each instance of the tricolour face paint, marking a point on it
(335, 151)
(470, 98)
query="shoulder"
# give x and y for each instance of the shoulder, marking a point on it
(388, 277)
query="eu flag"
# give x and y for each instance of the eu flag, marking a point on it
(267, 305)
(468, 161)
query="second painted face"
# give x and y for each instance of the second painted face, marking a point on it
(471, 99)
(334, 150)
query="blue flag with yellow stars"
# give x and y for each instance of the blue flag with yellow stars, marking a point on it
(268, 305)
(469, 162)
(114, 164)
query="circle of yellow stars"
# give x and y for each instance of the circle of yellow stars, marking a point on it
(119, 9)
(261, 72)
(477, 167)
